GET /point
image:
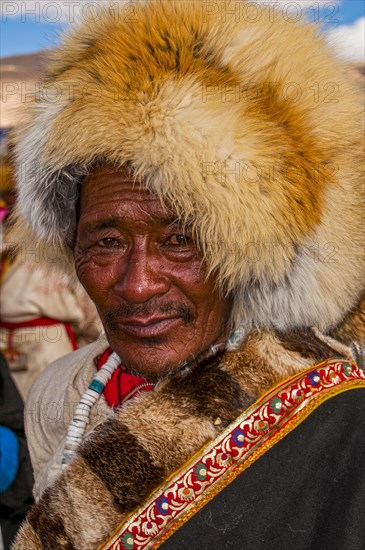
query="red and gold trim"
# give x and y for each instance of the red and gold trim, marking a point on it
(253, 433)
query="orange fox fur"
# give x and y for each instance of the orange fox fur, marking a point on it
(251, 131)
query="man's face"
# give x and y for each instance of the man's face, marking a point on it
(143, 271)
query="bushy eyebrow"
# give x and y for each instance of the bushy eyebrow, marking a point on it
(96, 225)
(106, 224)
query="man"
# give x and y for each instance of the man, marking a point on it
(215, 218)
(139, 263)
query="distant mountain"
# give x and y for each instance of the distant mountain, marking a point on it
(32, 62)
(18, 76)
(27, 67)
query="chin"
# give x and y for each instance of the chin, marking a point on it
(154, 372)
(155, 357)
(149, 360)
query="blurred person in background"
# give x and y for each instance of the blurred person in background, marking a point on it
(42, 315)
(16, 477)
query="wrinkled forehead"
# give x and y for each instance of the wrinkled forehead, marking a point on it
(109, 191)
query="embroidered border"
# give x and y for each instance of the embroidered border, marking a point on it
(253, 433)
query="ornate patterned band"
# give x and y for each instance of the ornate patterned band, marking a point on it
(253, 433)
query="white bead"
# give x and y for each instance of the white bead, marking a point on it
(80, 419)
(75, 430)
(73, 440)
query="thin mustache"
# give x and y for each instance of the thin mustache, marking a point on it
(130, 311)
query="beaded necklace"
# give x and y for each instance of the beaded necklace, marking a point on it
(80, 419)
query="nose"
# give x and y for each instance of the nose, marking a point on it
(142, 277)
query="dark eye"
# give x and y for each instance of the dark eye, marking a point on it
(109, 242)
(179, 240)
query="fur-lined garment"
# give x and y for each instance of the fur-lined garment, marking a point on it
(130, 454)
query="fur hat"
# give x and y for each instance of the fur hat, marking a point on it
(247, 126)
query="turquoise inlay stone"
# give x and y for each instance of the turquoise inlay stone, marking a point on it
(200, 471)
(128, 541)
(347, 369)
(96, 385)
(276, 405)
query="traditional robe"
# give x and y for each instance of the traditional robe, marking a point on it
(134, 452)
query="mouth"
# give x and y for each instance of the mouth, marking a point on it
(149, 327)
